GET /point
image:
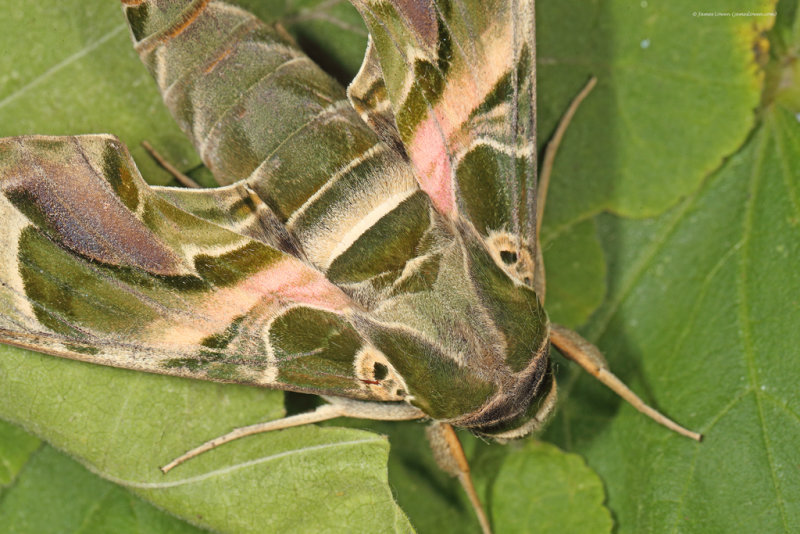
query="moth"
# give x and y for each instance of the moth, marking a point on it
(375, 245)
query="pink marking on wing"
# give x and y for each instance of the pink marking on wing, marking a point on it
(282, 284)
(429, 153)
(440, 135)
(291, 281)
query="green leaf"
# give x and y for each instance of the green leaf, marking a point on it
(575, 269)
(561, 494)
(123, 425)
(674, 97)
(16, 446)
(525, 486)
(77, 501)
(658, 122)
(433, 499)
(701, 316)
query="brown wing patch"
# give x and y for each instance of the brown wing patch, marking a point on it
(53, 182)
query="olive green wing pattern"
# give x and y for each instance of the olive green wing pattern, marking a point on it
(367, 94)
(460, 78)
(225, 76)
(97, 267)
(235, 207)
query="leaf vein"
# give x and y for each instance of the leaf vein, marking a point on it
(745, 320)
(640, 267)
(227, 470)
(61, 65)
(699, 296)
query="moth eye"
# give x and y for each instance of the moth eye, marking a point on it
(400, 393)
(508, 257)
(527, 280)
(380, 371)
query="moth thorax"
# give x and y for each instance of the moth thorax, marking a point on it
(378, 376)
(514, 258)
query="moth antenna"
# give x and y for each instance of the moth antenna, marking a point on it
(337, 407)
(169, 167)
(322, 413)
(552, 149)
(449, 455)
(577, 349)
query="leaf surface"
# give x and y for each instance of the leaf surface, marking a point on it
(561, 494)
(16, 447)
(674, 97)
(701, 317)
(666, 110)
(575, 269)
(77, 501)
(526, 486)
(123, 425)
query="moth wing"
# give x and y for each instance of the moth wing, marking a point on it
(368, 96)
(95, 266)
(242, 91)
(460, 78)
(237, 208)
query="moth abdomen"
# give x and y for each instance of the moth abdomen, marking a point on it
(215, 64)
(250, 100)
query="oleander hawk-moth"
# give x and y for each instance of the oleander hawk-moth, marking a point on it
(375, 245)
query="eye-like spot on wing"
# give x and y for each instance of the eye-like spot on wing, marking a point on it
(513, 258)
(378, 376)
(379, 371)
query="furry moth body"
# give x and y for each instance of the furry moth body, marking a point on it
(377, 244)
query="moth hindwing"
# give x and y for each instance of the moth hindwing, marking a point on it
(375, 245)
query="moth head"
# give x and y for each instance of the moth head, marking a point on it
(539, 410)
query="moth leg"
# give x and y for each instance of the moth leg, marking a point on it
(450, 457)
(577, 349)
(169, 167)
(338, 407)
(552, 149)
